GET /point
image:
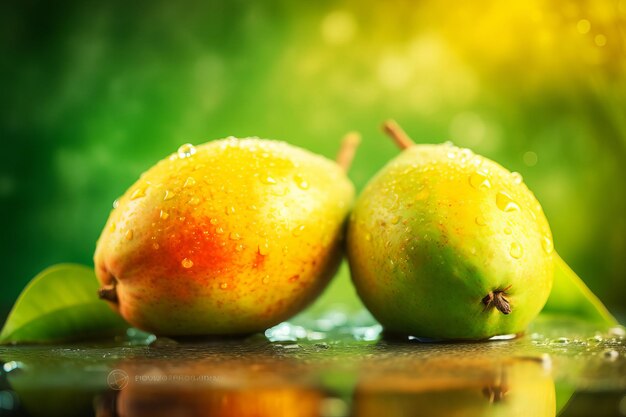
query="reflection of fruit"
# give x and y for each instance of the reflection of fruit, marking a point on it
(171, 401)
(443, 243)
(232, 236)
(213, 388)
(458, 388)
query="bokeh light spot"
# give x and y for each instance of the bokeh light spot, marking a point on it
(583, 26)
(530, 158)
(394, 72)
(338, 28)
(600, 40)
(468, 129)
(7, 186)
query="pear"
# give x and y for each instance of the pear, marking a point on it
(229, 237)
(446, 244)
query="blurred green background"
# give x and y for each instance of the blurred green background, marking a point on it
(93, 93)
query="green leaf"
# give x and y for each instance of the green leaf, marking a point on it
(570, 296)
(60, 304)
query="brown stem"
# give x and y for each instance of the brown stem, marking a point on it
(346, 153)
(393, 129)
(108, 293)
(498, 300)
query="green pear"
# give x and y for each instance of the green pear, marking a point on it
(446, 244)
(229, 237)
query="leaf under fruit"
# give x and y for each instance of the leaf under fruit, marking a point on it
(61, 304)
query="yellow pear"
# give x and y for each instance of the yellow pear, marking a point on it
(229, 237)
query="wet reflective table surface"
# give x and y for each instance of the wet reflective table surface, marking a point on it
(327, 366)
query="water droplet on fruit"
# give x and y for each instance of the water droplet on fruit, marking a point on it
(156, 246)
(129, 235)
(517, 177)
(507, 231)
(547, 244)
(112, 227)
(223, 285)
(480, 181)
(116, 203)
(466, 154)
(422, 194)
(138, 193)
(168, 195)
(164, 215)
(230, 210)
(298, 230)
(516, 250)
(189, 182)
(219, 230)
(395, 220)
(234, 236)
(239, 247)
(506, 203)
(186, 150)
(480, 220)
(302, 183)
(265, 279)
(194, 201)
(264, 248)
(213, 221)
(269, 180)
(186, 263)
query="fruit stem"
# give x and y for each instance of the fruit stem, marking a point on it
(395, 132)
(346, 153)
(108, 293)
(498, 300)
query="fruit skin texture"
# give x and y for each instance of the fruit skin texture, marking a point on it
(437, 230)
(230, 237)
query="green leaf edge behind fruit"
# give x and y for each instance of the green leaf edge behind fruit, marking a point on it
(60, 304)
(571, 297)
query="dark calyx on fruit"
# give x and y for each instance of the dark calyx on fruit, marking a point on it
(498, 300)
(108, 293)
